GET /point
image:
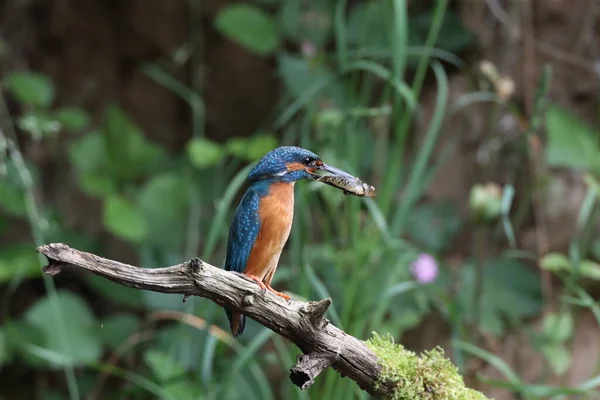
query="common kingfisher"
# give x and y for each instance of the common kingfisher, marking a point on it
(263, 219)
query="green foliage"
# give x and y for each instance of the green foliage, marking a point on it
(434, 225)
(123, 219)
(115, 293)
(510, 292)
(557, 329)
(557, 262)
(37, 92)
(453, 35)
(163, 366)
(31, 88)
(365, 18)
(12, 200)
(18, 260)
(429, 376)
(81, 345)
(131, 155)
(73, 118)
(89, 157)
(116, 328)
(571, 143)
(204, 153)
(39, 124)
(344, 76)
(251, 148)
(248, 26)
(163, 202)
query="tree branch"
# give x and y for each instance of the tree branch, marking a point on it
(322, 343)
(382, 368)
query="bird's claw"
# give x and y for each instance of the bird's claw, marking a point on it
(285, 296)
(258, 281)
(265, 287)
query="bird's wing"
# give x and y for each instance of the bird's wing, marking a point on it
(243, 232)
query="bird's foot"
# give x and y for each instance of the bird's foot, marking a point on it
(258, 280)
(285, 296)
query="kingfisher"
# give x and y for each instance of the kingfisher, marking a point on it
(263, 219)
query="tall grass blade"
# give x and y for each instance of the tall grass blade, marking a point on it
(491, 359)
(425, 152)
(396, 162)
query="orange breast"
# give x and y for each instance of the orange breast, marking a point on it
(276, 212)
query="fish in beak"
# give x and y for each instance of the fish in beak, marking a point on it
(342, 180)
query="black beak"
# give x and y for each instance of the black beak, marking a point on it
(333, 171)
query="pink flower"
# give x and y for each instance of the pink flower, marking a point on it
(424, 269)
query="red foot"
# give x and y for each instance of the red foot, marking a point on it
(285, 296)
(257, 280)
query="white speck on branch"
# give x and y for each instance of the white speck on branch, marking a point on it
(322, 343)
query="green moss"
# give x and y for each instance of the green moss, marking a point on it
(430, 376)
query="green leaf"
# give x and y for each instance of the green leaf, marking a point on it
(453, 35)
(38, 124)
(164, 202)
(559, 262)
(116, 328)
(19, 335)
(594, 247)
(555, 262)
(12, 199)
(131, 155)
(571, 143)
(511, 291)
(183, 390)
(298, 74)
(80, 327)
(163, 366)
(297, 28)
(115, 293)
(365, 21)
(249, 26)
(590, 269)
(31, 88)
(98, 185)
(90, 159)
(124, 220)
(204, 153)
(89, 154)
(434, 225)
(259, 145)
(18, 260)
(73, 118)
(558, 357)
(558, 327)
(252, 148)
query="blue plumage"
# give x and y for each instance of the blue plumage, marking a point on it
(276, 169)
(244, 230)
(273, 165)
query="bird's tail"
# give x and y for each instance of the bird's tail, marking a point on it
(237, 322)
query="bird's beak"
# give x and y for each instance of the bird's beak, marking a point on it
(333, 171)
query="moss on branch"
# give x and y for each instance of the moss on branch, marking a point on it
(430, 376)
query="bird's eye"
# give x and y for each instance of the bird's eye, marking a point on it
(308, 160)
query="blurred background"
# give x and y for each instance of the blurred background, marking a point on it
(127, 129)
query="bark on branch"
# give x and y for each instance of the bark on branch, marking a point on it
(322, 343)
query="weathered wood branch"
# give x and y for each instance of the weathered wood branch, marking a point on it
(322, 343)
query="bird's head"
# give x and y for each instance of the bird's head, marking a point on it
(290, 164)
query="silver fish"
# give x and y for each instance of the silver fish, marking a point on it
(350, 185)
